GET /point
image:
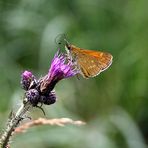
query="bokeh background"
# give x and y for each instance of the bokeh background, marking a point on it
(114, 104)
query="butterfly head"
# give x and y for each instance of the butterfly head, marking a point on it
(61, 41)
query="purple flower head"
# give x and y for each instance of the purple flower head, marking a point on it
(26, 79)
(27, 74)
(32, 96)
(61, 68)
(49, 98)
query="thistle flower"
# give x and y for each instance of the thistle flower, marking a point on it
(27, 78)
(61, 68)
(41, 91)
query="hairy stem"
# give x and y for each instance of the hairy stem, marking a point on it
(13, 123)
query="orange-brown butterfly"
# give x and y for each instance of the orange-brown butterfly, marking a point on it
(89, 62)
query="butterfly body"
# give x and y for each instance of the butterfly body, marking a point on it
(89, 62)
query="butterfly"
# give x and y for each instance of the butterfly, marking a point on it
(89, 62)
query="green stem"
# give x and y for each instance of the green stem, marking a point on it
(13, 123)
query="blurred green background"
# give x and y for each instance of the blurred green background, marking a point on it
(114, 104)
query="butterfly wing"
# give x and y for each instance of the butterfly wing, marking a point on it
(92, 63)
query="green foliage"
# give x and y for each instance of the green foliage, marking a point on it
(114, 103)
